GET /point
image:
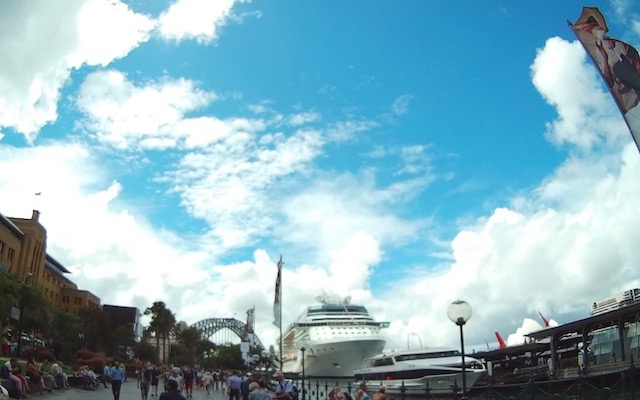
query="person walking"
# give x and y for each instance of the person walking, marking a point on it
(155, 377)
(284, 390)
(257, 393)
(117, 376)
(171, 392)
(244, 386)
(144, 381)
(188, 377)
(233, 386)
(106, 375)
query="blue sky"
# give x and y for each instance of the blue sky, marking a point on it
(404, 153)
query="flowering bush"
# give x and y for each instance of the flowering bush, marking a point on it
(40, 353)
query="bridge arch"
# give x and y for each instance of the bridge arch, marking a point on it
(211, 326)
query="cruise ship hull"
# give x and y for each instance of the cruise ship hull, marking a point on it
(337, 357)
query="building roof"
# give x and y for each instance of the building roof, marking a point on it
(511, 350)
(121, 315)
(55, 265)
(7, 223)
(601, 320)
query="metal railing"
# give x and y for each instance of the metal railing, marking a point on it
(624, 385)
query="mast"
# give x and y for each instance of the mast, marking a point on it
(277, 307)
(280, 264)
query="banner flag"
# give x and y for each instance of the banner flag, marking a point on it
(251, 318)
(618, 63)
(277, 303)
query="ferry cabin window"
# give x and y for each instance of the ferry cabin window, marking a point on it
(382, 362)
(422, 356)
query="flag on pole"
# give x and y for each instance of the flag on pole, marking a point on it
(618, 63)
(277, 303)
(251, 317)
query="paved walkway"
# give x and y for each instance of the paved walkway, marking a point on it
(129, 392)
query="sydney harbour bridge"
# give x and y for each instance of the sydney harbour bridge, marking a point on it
(226, 331)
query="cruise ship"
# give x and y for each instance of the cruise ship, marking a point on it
(337, 337)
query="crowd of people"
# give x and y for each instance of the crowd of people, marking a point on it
(186, 379)
(169, 382)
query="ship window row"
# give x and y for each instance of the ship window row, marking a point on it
(330, 309)
(323, 334)
(341, 323)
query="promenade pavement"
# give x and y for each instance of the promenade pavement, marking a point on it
(129, 392)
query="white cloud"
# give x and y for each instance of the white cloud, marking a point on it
(232, 185)
(195, 19)
(339, 208)
(127, 116)
(108, 30)
(303, 118)
(571, 85)
(33, 70)
(401, 105)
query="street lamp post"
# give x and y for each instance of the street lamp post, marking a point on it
(266, 358)
(459, 312)
(303, 347)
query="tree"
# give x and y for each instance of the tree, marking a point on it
(95, 328)
(8, 297)
(162, 323)
(123, 342)
(32, 304)
(145, 351)
(229, 357)
(64, 336)
(190, 338)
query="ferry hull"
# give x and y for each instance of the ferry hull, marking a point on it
(335, 357)
(438, 384)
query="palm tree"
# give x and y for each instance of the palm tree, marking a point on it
(162, 322)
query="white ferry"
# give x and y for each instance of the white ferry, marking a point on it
(337, 337)
(438, 369)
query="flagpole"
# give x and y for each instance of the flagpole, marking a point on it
(277, 308)
(280, 344)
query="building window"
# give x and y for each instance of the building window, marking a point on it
(65, 299)
(10, 254)
(1, 247)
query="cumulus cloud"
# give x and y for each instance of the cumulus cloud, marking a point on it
(233, 184)
(195, 19)
(152, 116)
(33, 71)
(587, 116)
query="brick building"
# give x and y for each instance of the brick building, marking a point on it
(23, 253)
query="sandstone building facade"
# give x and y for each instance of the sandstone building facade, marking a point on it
(23, 254)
